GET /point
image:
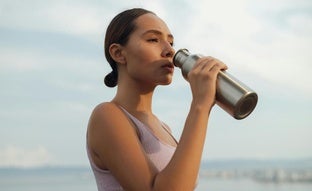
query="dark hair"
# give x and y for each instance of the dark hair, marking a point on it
(118, 31)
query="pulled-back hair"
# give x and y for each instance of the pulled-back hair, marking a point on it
(118, 31)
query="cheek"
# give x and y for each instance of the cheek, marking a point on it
(139, 55)
(139, 67)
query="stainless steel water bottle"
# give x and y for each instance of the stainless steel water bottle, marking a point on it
(231, 95)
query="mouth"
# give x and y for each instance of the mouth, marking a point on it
(169, 67)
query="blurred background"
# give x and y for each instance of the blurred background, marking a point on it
(52, 67)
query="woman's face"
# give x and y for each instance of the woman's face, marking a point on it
(149, 51)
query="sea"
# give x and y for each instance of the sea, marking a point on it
(221, 175)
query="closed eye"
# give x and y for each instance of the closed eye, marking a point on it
(153, 40)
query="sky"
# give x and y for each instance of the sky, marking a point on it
(52, 67)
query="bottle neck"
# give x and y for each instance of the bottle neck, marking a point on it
(180, 57)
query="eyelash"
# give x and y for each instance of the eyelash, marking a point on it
(156, 40)
(153, 40)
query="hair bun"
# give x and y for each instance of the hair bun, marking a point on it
(110, 79)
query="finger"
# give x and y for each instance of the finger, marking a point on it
(200, 64)
(218, 65)
(209, 63)
(206, 62)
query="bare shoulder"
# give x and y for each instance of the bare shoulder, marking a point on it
(103, 113)
(104, 108)
(107, 125)
(105, 116)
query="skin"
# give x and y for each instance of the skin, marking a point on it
(143, 63)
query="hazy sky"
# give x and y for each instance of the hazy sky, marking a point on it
(52, 67)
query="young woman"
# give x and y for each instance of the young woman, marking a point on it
(129, 148)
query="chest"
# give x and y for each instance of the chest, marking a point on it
(158, 129)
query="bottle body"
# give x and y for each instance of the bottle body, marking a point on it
(233, 96)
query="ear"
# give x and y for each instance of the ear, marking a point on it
(115, 51)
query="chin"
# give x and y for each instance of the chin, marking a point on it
(165, 83)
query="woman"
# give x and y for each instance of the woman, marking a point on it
(128, 146)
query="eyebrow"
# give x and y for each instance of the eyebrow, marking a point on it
(157, 32)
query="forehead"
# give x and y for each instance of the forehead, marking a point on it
(151, 22)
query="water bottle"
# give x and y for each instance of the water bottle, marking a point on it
(233, 96)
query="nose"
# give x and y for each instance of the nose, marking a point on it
(168, 51)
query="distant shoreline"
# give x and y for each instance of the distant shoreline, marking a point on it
(261, 171)
(305, 163)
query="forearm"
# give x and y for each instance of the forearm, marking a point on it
(182, 171)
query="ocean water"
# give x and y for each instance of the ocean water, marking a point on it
(47, 179)
(249, 185)
(213, 176)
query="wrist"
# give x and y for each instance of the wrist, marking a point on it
(202, 106)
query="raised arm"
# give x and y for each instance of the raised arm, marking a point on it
(115, 144)
(184, 166)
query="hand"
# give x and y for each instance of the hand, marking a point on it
(203, 79)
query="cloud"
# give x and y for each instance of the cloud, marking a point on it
(20, 60)
(52, 64)
(68, 17)
(79, 18)
(13, 156)
(271, 44)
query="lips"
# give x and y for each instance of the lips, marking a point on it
(168, 65)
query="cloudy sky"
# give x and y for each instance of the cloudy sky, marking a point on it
(52, 67)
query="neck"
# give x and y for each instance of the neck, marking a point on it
(134, 98)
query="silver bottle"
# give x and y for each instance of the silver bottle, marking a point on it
(232, 95)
